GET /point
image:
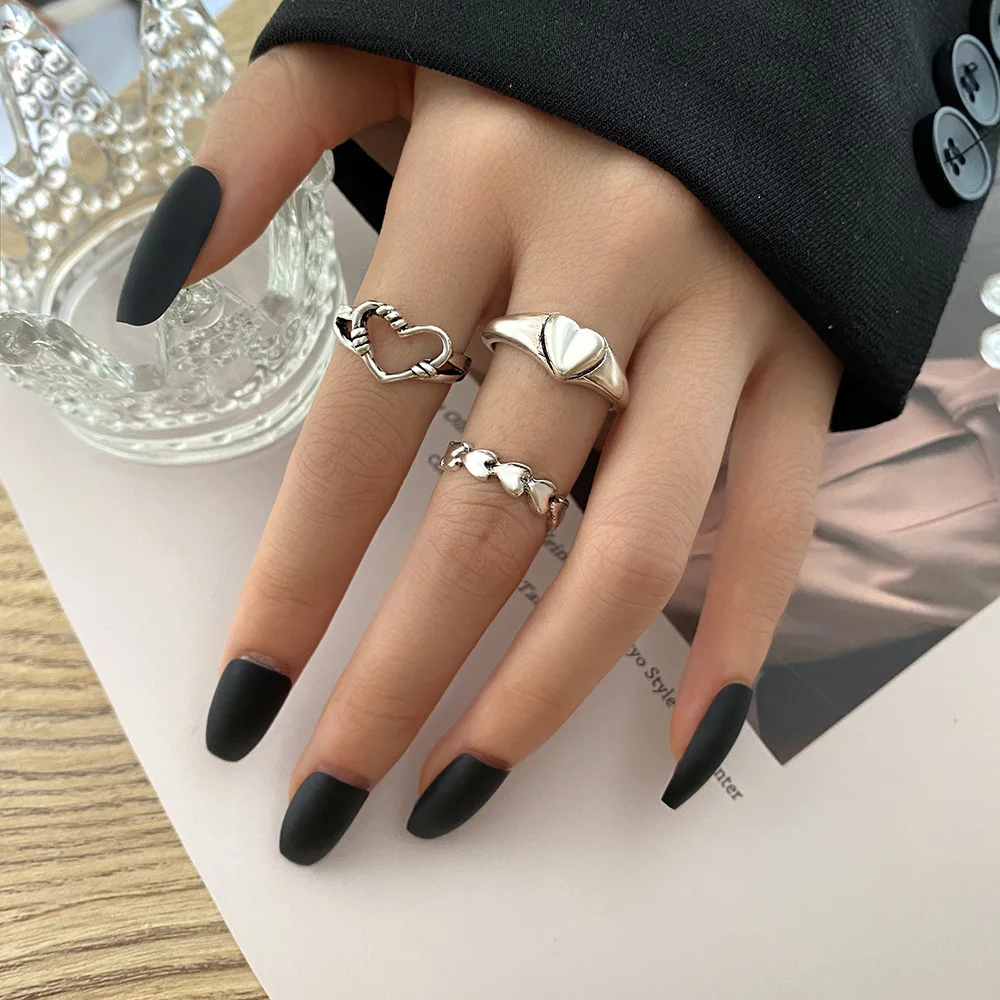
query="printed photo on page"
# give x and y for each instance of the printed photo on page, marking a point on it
(906, 546)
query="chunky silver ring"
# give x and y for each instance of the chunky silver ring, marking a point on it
(570, 352)
(352, 331)
(515, 478)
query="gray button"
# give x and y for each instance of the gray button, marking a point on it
(986, 23)
(953, 161)
(966, 76)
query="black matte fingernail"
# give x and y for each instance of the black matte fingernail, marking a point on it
(168, 248)
(712, 741)
(247, 698)
(454, 796)
(319, 814)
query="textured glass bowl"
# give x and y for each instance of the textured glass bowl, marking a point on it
(234, 362)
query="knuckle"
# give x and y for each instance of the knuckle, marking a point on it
(651, 202)
(719, 292)
(773, 544)
(780, 524)
(635, 556)
(787, 522)
(282, 67)
(280, 592)
(376, 707)
(779, 541)
(298, 97)
(349, 456)
(638, 187)
(760, 621)
(533, 703)
(273, 88)
(481, 139)
(479, 546)
(495, 126)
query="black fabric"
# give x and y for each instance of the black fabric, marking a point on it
(791, 120)
(363, 182)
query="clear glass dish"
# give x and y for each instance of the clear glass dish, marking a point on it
(233, 364)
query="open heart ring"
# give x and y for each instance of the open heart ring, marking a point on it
(352, 330)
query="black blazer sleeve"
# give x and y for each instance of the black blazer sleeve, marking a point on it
(795, 122)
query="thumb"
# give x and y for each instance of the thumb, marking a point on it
(264, 136)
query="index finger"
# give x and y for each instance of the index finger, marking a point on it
(264, 136)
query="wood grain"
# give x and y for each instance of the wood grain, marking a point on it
(98, 899)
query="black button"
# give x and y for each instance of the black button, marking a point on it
(986, 23)
(966, 76)
(952, 159)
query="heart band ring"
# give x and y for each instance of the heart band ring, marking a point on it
(570, 352)
(352, 331)
(515, 478)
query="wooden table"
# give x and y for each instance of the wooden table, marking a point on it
(98, 899)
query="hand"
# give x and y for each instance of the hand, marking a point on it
(497, 208)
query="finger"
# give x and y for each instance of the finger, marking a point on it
(358, 441)
(471, 550)
(774, 467)
(266, 133)
(651, 486)
(473, 547)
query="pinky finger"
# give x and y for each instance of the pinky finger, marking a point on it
(774, 466)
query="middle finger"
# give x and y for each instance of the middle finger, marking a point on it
(471, 550)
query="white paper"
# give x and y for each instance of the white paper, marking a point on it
(867, 867)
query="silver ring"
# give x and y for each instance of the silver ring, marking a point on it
(515, 478)
(570, 352)
(352, 331)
